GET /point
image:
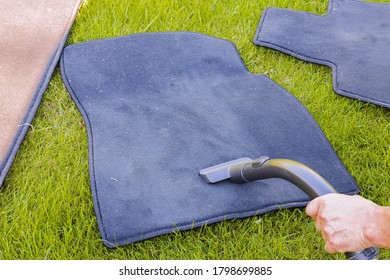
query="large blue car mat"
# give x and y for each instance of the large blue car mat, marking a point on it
(33, 34)
(353, 38)
(159, 107)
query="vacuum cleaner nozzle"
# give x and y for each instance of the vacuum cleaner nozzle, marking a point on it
(245, 170)
(221, 171)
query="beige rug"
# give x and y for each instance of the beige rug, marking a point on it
(33, 34)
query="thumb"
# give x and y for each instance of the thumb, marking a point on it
(313, 207)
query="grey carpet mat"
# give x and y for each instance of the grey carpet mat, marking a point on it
(353, 38)
(159, 107)
(32, 34)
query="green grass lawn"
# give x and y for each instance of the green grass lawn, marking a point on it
(46, 209)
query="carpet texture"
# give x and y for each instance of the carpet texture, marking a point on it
(353, 38)
(33, 34)
(159, 107)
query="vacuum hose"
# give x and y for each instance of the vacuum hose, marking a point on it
(246, 170)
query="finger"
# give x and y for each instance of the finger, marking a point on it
(339, 243)
(313, 207)
(329, 248)
(323, 235)
(319, 224)
(331, 243)
(327, 232)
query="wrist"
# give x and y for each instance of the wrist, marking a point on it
(378, 232)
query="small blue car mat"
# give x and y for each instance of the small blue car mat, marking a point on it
(159, 107)
(353, 38)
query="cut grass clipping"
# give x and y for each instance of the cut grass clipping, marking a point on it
(46, 209)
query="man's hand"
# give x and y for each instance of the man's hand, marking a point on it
(347, 223)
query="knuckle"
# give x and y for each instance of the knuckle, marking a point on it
(328, 230)
(332, 241)
(335, 243)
